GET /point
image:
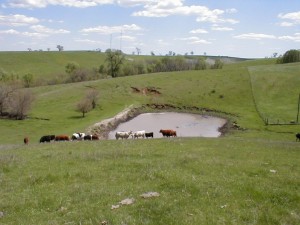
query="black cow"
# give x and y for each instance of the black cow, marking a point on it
(91, 137)
(298, 137)
(47, 138)
(150, 134)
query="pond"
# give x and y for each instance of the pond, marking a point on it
(185, 124)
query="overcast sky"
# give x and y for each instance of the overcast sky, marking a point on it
(240, 28)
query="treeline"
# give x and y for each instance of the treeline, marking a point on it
(118, 64)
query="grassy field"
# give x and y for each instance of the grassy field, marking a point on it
(248, 176)
(276, 90)
(200, 181)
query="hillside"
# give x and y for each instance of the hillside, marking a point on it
(227, 90)
(248, 176)
(47, 65)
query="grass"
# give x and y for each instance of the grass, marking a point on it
(47, 64)
(199, 182)
(249, 176)
(270, 84)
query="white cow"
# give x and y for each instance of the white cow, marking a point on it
(123, 134)
(140, 133)
(78, 136)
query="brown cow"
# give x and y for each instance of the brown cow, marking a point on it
(168, 133)
(26, 140)
(62, 138)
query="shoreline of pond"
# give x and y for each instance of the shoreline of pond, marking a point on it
(104, 127)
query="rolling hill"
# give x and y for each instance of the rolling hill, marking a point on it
(248, 176)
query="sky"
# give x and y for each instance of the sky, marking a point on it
(236, 28)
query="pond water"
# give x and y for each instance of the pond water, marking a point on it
(185, 124)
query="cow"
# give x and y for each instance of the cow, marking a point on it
(78, 136)
(62, 138)
(91, 137)
(149, 134)
(26, 140)
(298, 137)
(47, 138)
(140, 133)
(123, 134)
(168, 133)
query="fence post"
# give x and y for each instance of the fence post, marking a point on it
(298, 109)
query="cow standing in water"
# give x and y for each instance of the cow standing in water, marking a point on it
(26, 140)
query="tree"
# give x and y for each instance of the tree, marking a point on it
(60, 48)
(20, 103)
(290, 56)
(217, 65)
(27, 79)
(5, 91)
(93, 96)
(84, 106)
(201, 64)
(71, 67)
(115, 59)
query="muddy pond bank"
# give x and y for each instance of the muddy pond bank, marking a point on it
(105, 127)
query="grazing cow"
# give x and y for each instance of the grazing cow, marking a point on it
(47, 138)
(91, 137)
(26, 140)
(298, 137)
(168, 133)
(78, 136)
(123, 134)
(62, 138)
(140, 133)
(149, 134)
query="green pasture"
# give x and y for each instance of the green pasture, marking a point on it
(247, 176)
(276, 90)
(47, 65)
(200, 181)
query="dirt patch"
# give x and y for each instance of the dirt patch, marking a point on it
(146, 90)
(103, 128)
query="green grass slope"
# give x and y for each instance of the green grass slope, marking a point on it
(200, 181)
(276, 91)
(47, 64)
(249, 176)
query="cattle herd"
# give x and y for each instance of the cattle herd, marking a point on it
(118, 135)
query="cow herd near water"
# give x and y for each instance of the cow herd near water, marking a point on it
(118, 135)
